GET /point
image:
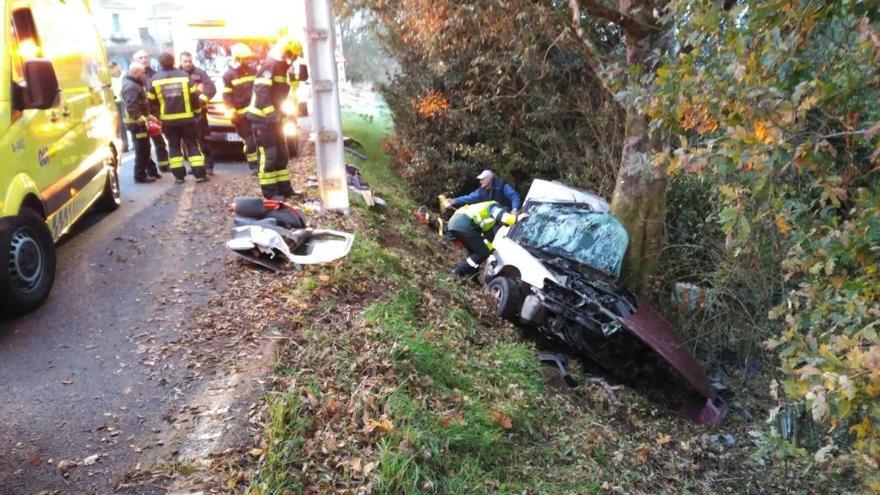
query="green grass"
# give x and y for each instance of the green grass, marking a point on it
(456, 382)
(288, 427)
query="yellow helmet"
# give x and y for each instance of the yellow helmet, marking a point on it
(240, 51)
(289, 45)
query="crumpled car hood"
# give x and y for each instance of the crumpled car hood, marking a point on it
(652, 329)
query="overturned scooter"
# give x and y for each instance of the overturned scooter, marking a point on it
(275, 235)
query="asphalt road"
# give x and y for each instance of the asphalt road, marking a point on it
(76, 380)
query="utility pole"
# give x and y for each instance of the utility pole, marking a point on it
(327, 117)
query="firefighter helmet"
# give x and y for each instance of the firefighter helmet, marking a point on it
(240, 51)
(290, 46)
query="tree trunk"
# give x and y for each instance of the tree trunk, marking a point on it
(639, 199)
(639, 202)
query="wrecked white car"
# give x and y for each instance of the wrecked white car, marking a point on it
(557, 271)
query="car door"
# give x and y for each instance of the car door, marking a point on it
(36, 137)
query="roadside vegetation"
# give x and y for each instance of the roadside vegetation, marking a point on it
(397, 379)
(753, 131)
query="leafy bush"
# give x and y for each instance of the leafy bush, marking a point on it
(777, 106)
(500, 86)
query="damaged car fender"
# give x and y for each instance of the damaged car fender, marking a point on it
(531, 270)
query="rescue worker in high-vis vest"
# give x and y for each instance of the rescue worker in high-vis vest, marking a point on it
(474, 226)
(176, 102)
(238, 88)
(271, 89)
(203, 82)
(136, 113)
(158, 141)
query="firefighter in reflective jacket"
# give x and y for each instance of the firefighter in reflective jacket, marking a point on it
(474, 226)
(238, 87)
(201, 80)
(136, 115)
(176, 102)
(271, 88)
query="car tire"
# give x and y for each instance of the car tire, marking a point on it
(111, 198)
(508, 296)
(27, 263)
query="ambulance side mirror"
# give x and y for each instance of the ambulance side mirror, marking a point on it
(303, 74)
(41, 84)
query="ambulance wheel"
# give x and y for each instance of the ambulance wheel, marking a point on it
(27, 262)
(111, 198)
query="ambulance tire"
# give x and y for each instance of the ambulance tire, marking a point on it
(111, 198)
(27, 263)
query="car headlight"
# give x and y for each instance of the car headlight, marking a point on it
(290, 129)
(288, 107)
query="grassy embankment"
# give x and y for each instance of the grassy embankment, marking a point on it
(398, 379)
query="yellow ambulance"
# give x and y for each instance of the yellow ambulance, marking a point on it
(58, 141)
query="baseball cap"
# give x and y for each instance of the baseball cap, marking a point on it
(485, 174)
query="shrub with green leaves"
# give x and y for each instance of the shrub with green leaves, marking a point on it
(778, 104)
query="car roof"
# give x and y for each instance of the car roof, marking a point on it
(546, 191)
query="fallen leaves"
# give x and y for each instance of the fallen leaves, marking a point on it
(502, 419)
(383, 424)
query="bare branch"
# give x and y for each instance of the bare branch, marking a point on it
(629, 24)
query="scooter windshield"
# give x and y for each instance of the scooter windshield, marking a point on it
(575, 232)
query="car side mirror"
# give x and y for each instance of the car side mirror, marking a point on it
(41, 85)
(303, 74)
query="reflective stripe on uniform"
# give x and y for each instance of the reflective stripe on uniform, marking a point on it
(263, 81)
(197, 160)
(141, 135)
(242, 80)
(187, 107)
(281, 79)
(227, 90)
(176, 161)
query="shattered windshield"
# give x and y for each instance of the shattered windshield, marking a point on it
(575, 232)
(213, 54)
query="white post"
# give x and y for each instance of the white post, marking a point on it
(326, 115)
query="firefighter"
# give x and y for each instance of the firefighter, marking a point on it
(176, 102)
(201, 80)
(238, 87)
(136, 113)
(161, 148)
(271, 88)
(474, 226)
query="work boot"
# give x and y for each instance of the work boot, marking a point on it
(154, 174)
(179, 180)
(463, 269)
(209, 171)
(202, 179)
(144, 180)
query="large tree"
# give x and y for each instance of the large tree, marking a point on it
(639, 198)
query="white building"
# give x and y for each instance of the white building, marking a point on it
(130, 25)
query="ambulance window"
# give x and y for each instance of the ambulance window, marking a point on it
(24, 33)
(26, 47)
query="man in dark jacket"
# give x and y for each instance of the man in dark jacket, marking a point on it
(491, 189)
(238, 88)
(136, 113)
(143, 58)
(202, 81)
(271, 89)
(176, 102)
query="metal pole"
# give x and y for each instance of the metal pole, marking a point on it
(327, 117)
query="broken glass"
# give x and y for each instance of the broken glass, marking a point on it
(575, 232)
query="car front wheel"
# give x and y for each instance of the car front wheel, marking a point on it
(27, 263)
(508, 296)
